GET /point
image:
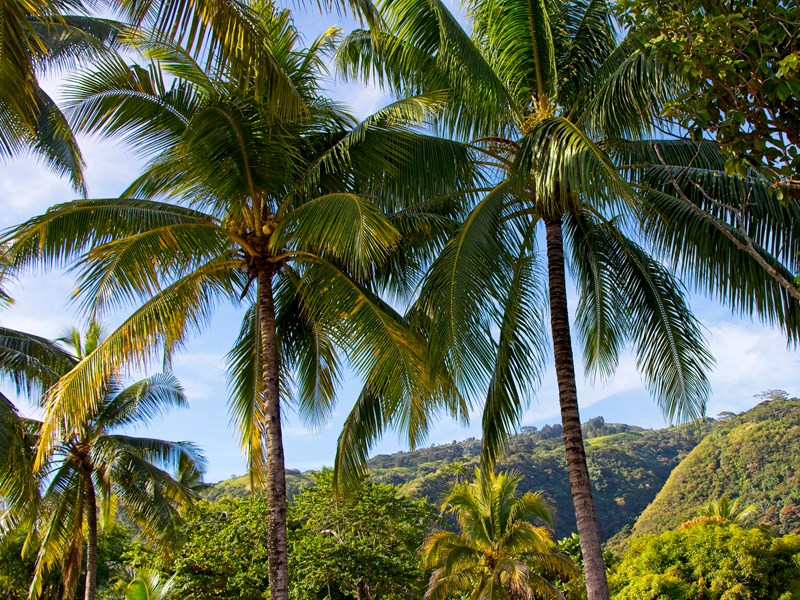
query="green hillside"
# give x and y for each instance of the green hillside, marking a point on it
(239, 487)
(755, 456)
(628, 466)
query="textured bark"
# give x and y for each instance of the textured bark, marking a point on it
(363, 591)
(580, 485)
(276, 473)
(90, 501)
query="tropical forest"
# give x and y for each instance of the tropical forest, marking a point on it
(400, 299)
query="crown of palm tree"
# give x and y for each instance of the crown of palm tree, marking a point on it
(149, 477)
(727, 510)
(503, 546)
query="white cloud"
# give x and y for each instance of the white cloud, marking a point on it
(750, 359)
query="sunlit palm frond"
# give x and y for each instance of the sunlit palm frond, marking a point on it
(143, 401)
(122, 273)
(498, 546)
(168, 318)
(132, 102)
(528, 66)
(66, 231)
(228, 37)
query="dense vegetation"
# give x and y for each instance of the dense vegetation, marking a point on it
(652, 145)
(628, 466)
(711, 560)
(371, 542)
(752, 456)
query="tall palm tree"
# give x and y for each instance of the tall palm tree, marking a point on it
(544, 91)
(307, 219)
(503, 546)
(93, 468)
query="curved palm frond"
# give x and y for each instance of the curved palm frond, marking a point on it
(31, 362)
(647, 304)
(498, 548)
(143, 401)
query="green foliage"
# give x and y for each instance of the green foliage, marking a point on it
(148, 584)
(225, 552)
(16, 571)
(740, 61)
(364, 543)
(753, 457)
(629, 465)
(627, 468)
(503, 547)
(239, 487)
(727, 510)
(367, 542)
(709, 560)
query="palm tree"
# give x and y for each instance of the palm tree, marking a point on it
(93, 468)
(148, 585)
(301, 217)
(503, 546)
(544, 91)
(726, 510)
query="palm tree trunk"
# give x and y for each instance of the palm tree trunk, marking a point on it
(90, 500)
(363, 591)
(276, 473)
(580, 485)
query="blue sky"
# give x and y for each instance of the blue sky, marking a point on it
(750, 357)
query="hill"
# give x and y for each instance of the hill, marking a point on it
(238, 487)
(628, 466)
(755, 456)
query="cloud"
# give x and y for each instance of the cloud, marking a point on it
(750, 359)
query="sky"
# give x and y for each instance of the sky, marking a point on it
(750, 357)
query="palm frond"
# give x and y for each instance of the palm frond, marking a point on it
(244, 371)
(169, 317)
(66, 231)
(31, 362)
(521, 354)
(143, 401)
(670, 349)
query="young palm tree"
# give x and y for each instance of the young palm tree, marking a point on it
(148, 585)
(727, 510)
(503, 546)
(543, 90)
(302, 217)
(92, 469)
